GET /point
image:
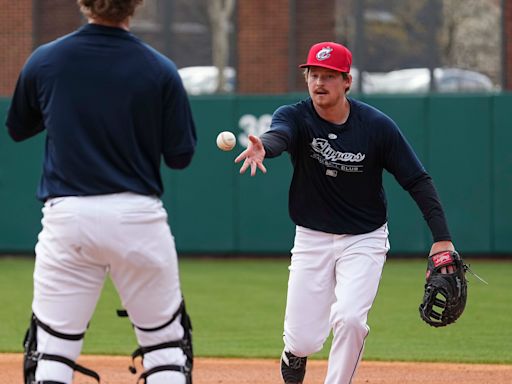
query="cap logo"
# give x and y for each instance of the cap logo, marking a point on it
(324, 53)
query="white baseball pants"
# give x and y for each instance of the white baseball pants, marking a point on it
(332, 284)
(83, 239)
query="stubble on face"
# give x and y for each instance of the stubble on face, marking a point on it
(326, 87)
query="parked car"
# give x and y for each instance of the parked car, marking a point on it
(417, 80)
(200, 80)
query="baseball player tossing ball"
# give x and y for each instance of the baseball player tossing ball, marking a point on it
(111, 107)
(339, 148)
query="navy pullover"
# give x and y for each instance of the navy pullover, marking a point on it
(111, 106)
(337, 179)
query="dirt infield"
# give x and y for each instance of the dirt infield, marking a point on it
(114, 370)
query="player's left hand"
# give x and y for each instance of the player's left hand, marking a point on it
(440, 246)
(445, 290)
(253, 156)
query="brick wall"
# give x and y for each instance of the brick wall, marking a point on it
(15, 41)
(54, 18)
(314, 24)
(263, 46)
(25, 24)
(265, 55)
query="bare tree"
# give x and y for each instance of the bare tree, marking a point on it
(471, 35)
(220, 12)
(466, 34)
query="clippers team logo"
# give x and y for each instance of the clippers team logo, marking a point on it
(331, 158)
(324, 53)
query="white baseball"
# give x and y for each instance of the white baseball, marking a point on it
(226, 141)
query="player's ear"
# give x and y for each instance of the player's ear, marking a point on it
(347, 77)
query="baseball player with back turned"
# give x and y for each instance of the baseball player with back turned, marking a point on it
(339, 148)
(112, 108)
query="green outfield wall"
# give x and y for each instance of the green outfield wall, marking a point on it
(463, 140)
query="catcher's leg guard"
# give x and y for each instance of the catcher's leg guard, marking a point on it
(293, 368)
(32, 356)
(185, 344)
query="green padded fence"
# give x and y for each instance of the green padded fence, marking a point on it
(463, 141)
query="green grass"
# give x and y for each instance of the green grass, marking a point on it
(237, 308)
(482, 334)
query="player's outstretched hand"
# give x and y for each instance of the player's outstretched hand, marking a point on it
(253, 156)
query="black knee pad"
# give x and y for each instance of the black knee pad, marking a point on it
(30, 348)
(185, 344)
(186, 323)
(31, 356)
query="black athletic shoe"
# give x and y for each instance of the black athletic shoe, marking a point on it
(293, 368)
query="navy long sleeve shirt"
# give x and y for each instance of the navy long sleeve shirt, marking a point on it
(111, 106)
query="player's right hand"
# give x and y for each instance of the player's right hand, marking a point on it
(253, 156)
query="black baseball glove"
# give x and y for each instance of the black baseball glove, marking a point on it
(445, 289)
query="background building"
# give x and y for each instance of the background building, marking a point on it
(267, 39)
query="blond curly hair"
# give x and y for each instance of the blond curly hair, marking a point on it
(112, 10)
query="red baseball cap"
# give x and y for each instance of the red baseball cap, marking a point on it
(329, 55)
